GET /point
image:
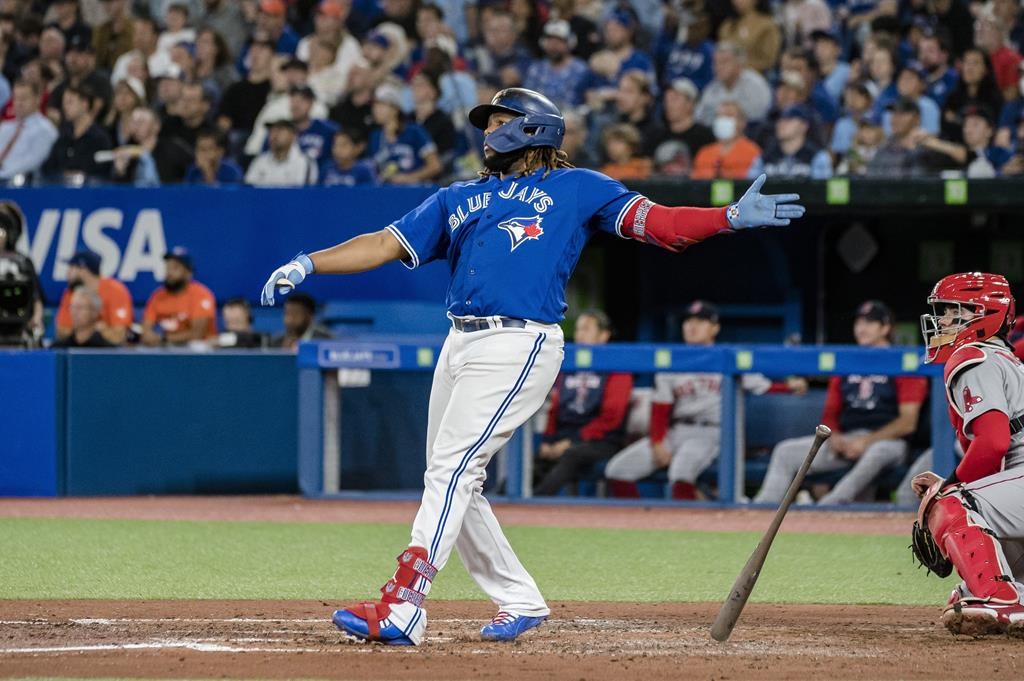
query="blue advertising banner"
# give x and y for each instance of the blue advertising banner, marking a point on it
(236, 235)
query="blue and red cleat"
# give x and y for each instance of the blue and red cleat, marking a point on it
(370, 624)
(506, 626)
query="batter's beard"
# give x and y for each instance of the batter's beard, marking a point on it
(500, 162)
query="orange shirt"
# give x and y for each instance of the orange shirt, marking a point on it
(117, 305)
(175, 311)
(633, 169)
(710, 163)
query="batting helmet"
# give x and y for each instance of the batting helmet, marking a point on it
(984, 306)
(537, 122)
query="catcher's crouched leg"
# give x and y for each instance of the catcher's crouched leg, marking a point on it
(988, 602)
(398, 618)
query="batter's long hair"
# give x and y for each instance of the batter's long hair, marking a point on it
(534, 159)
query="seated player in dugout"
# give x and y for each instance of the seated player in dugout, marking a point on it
(511, 238)
(871, 417)
(587, 415)
(685, 419)
(182, 311)
(973, 520)
(116, 313)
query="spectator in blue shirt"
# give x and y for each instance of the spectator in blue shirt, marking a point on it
(933, 53)
(344, 167)
(790, 153)
(314, 135)
(272, 22)
(824, 107)
(402, 151)
(619, 56)
(559, 74)
(210, 166)
(686, 52)
(882, 76)
(911, 85)
(857, 102)
(834, 72)
(501, 57)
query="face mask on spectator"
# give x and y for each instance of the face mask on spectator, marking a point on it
(724, 128)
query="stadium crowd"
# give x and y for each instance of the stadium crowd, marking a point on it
(354, 92)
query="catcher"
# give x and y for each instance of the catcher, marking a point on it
(974, 519)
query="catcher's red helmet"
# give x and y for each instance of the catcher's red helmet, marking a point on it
(983, 306)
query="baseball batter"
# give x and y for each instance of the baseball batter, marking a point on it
(974, 519)
(511, 240)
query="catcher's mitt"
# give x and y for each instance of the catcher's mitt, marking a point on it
(927, 551)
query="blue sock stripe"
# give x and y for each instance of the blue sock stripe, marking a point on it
(439, 531)
(412, 623)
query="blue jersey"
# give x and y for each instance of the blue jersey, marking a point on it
(406, 154)
(360, 173)
(316, 140)
(511, 244)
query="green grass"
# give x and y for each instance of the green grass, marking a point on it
(61, 558)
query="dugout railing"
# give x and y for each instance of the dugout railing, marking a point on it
(328, 367)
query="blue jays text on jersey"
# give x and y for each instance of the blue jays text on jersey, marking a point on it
(512, 243)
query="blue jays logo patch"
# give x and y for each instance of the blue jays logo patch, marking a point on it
(522, 229)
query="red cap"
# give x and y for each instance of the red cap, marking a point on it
(273, 7)
(331, 8)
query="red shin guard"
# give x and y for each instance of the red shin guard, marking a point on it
(972, 550)
(623, 489)
(685, 491)
(412, 566)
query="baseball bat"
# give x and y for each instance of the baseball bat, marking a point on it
(733, 605)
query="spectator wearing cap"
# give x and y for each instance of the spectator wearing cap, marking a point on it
(211, 166)
(113, 37)
(25, 140)
(501, 56)
(193, 113)
(329, 29)
(586, 420)
(868, 138)
(790, 153)
(242, 102)
(734, 82)
(129, 94)
(345, 168)
(684, 50)
(181, 311)
(426, 93)
(299, 316)
(73, 157)
(271, 19)
(558, 72)
(402, 151)
(115, 313)
(315, 135)
(621, 144)
(84, 315)
(976, 87)
(911, 85)
(870, 417)
(145, 33)
(680, 127)
(283, 164)
(731, 155)
(801, 19)
(833, 71)
(941, 78)
(176, 27)
(755, 32)
(992, 38)
(80, 62)
(286, 73)
(213, 67)
(903, 155)
(226, 19)
(856, 102)
(68, 18)
(977, 156)
(685, 415)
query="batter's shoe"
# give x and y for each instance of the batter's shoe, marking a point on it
(369, 622)
(506, 626)
(976, 618)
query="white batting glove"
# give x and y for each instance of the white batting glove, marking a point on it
(286, 278)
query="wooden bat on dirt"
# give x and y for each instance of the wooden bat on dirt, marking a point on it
(733, 606)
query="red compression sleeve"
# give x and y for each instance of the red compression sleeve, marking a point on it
(991, 442)
(614, 404)
(672, 228)
(660, 414)
(833, 404)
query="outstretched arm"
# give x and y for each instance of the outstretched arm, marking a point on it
(359, 254)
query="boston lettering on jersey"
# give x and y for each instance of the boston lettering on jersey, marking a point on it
(511, 244)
